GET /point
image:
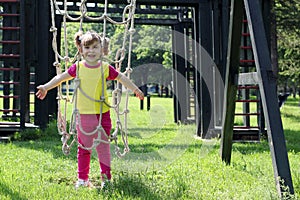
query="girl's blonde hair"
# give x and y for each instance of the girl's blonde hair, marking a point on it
(86, 39)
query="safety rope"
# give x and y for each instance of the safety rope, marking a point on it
(128, 23)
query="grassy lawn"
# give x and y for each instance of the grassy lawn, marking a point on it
(166, 162)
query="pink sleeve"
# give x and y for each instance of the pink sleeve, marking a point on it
(113, 73)
(72, 70)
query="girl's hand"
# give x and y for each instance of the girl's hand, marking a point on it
(139, 94)
(42, 92)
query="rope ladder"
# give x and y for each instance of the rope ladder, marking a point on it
(64, 100)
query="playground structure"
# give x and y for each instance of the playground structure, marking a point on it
(244, 64)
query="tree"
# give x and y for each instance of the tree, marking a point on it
(151, 52)
(288, 30)
(153, 45)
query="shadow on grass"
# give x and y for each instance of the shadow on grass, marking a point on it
(148, 148)
(291, 116)
(142, 131)
(295, 102)
(124, 184)
(130, 188)
(292, 141)
(50, 142)
(8, 192)
(149, 143)
(292, 138)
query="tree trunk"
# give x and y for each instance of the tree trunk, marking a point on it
(273, 42)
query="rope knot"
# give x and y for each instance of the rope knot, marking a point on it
(113, 138)
(116, 91)
(76, 82)
(67, 59)
(56, 64)
(131, 31)
(102, 98)
(105, 15)
(65, 137)
(123, 50)
(127, 150)
(99, 127)
(129, 70)
(96, 142)
(66, 149)
(53, 29)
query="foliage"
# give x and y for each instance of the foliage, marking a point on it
(151, 44)
(288, 16)
(288, 30)
(35, 133)
(27, 135)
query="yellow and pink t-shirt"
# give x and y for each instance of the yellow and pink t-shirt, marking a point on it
(91, 85)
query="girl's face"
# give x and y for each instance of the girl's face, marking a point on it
(91, 53)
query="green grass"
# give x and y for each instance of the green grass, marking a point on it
(166, 162)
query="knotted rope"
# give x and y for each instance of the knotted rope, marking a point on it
(64, 100)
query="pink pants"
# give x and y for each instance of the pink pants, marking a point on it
(89, 122)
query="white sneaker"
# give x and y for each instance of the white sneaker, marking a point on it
(83, 183)
(105, 184)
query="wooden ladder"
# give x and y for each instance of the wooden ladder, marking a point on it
(248, 94)
(10, 70)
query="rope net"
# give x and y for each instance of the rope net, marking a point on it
(62, 61)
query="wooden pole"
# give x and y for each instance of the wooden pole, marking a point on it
(268, 91)
(232, 66)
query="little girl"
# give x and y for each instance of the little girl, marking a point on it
(90, 71)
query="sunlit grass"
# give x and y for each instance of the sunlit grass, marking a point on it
(165, 162)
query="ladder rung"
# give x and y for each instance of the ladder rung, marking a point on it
(248, 87)
(9, 69)
(9, 97)
(8, 126)
(9, 83)
(246, 114)
(9, 14)
(10, 42)
(10, 28)
(246, 127)
(247, 61)
(9, 123)
(252, 65)
(246, 47)
(247, 100)
(9, 1)
(9, 55)
(9, 110)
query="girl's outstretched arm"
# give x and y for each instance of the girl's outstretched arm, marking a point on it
(54, 82)
(130, 85)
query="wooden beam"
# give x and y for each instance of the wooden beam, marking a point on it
(205, 69)
(249, 78)
(232, 66)
(180, 81)
(268, 91)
